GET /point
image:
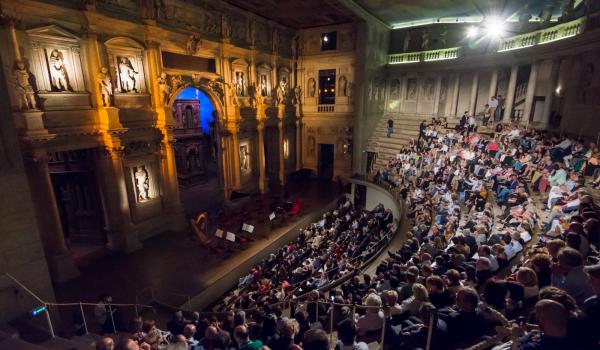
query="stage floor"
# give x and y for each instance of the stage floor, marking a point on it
(174, 266)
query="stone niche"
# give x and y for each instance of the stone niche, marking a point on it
(143, 187)
(263, 79)
(56, 65)
(126, 64)
(239, 77)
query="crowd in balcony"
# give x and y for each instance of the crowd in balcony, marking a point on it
(486, 246)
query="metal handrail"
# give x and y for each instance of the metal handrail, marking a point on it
(80, 304)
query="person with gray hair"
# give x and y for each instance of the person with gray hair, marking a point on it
(105, 343)
(372, 320)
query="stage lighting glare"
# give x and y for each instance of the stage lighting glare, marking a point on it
(472, 32)
(325, 38)
(495, 27)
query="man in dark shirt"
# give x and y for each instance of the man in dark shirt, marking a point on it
(439, 295)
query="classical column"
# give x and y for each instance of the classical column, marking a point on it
(438, 87)
(298, 143)
(493, 85)
(473, 99)
(531, 86)
(90, 52)
(122, 235)
(260, 129)
(280, 116)
(60, 261)
(235, 140)
(550, 93)
(455, 95)
(510, 96)
(170, 184)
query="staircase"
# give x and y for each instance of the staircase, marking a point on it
(406, 127)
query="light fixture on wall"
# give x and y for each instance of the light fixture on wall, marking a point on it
(558, 90)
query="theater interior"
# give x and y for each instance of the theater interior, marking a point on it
(299, 175)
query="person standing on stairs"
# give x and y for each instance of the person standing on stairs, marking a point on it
(390, 127)
(422, 128)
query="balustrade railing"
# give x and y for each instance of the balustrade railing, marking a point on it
(543, 36)
(325, 108)
(425, 56)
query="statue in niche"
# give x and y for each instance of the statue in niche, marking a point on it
(127, 75)
(142, 183)
(23, 87)
(343, 86)
(411, 90)
(164, 89)
(160, 9)
(443, 38)
(225, 28)
(429, 89)
(296, 46)
(252, 32)
(425, 40)
(105, 86)
(193, 158)
(281, 92)
(395, 90)
(58, 71)
(275, 40)
(406, 43)
(244, 158)
(566, 9)
(193, 44)
(350, 90)
(264, 87)
(239, 83)
(297, 94)
(444, 89)
(585, 94)
(257, 97)
(312, 145)
(312, 87)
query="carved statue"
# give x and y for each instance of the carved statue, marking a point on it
(239, 84)
(23, 87)
(297, 94)
(58, 71)
(257, 97)
(524, 16)
(142, 182)
(425, 39)
(244, 158)
(252, 32)
(264, 87)
(312, 88)
(225, 28)
(296, 46)
(160, 9)
(127, 75)
(567, 9)
(163, 88)
(231, 95)
(176, 83)
(443, 40)
(105, 86)
(193, 44)
(406, 43)
(275, 40)
(281, 92)
(343, 86)
(547, 11)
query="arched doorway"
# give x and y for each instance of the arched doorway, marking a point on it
(195, 117)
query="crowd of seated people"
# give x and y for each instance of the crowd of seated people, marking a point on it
(323, 252)
(484, 247)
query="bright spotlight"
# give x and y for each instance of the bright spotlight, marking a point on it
(325, 38)
(472, 32)
(495, 27)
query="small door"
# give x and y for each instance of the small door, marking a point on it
(326, 161)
